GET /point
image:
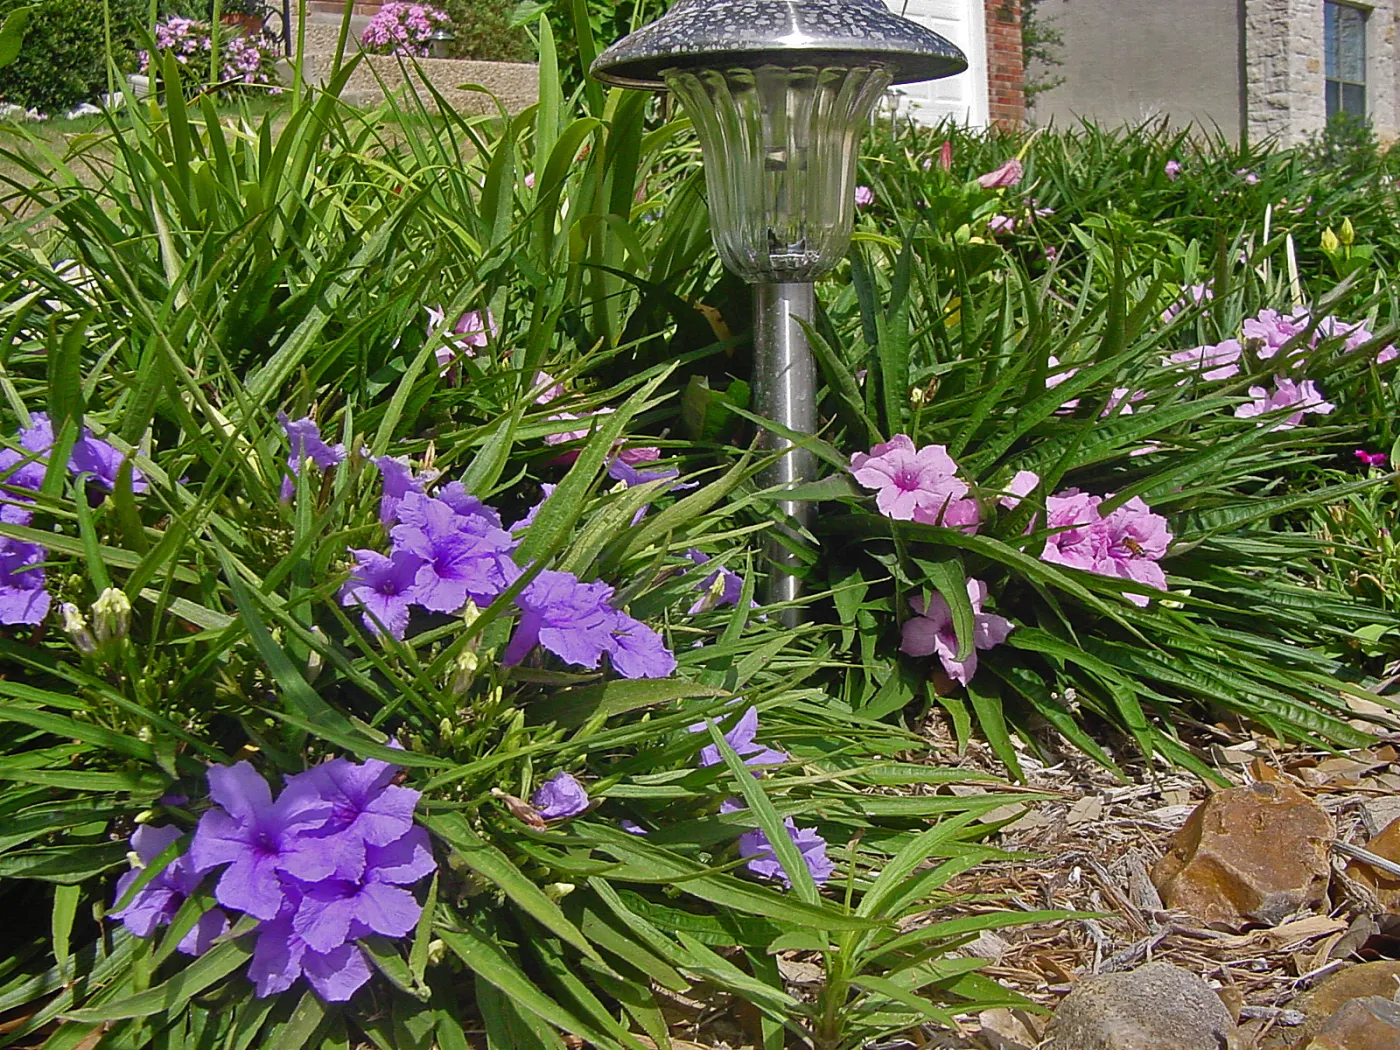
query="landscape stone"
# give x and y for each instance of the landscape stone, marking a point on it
(1385, 886)
(1255, 854)
(1371, 1023)
(1355, 982)
(1155, 1007)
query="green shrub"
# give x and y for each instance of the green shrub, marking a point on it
(484, 31)
(64, 58)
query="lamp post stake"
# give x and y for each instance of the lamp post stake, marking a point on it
(785, 388)
(780, 93)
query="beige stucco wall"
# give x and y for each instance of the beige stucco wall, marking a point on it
(1126, 61)
(1208, 61)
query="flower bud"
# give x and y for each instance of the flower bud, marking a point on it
(77, 629)
(437, 952)
(557, 891)
(111, 615)
(1347, 234)
(917, 395)
(463, 671)
(1330, 243)
(315, 661)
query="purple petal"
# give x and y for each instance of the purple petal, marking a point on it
(338, 974)
(240, 790)
(212, 925)
(389, 910)
(277, 957)
(403, 862)
(323, 919)
(251, 885)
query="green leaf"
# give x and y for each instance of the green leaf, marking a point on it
(12, 34)
(210, 968)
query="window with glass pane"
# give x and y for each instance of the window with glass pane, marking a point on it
(1345, 42)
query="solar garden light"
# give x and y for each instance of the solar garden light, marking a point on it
(780, 92)
(440, 43)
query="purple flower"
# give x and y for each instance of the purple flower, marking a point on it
(346, 906)
(1075, 544)
(560, 797)
(865, 196)
(741, 739)
(1173, 170)
(258, 839)
(280, 957)
(23, 599)
(764, 862)
(384, 587)
(1004, 177)
(155, 904)
(1213, 363)
(478, 517)
(636, 651)
(1250, 179)
(399, 481)
(571, 619)
(1304, 397)
(931, 632)
(915, 485)
(546, 490)
(367, 809)
(1357, 335)
(722, 587)
(456, 562)
(304, 436)
(1372, 459)
(624, 471)
(632, 827)
(92, 455)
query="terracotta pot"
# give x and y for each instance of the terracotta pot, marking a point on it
(251, 24)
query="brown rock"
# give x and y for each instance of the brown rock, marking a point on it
(1385, 886)
(1155, 1007)
(1355, 982)
(1371, 1023)
(1249, 854)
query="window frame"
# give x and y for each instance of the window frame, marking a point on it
(1335, 85)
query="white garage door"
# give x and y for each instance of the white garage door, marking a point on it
(962, 98)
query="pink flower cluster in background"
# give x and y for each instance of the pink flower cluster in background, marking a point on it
(1126, 543)
(401, 28)
(244, 60)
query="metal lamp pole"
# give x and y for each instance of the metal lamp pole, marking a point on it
(780, 93)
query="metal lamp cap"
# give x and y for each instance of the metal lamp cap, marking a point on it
(720, 34)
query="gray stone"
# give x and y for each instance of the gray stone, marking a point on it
(1371, 1023)
(1156, 1007)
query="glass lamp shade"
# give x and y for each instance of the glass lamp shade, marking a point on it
(780, 146)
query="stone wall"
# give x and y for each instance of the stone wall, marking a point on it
(1006, 66)
(1286, 69)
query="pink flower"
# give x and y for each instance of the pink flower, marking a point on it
(1212, 362)
(1054, 379)
(1272, 331)
(1019, 487)
(1303, 396)
(551, 391)
(1173, 170)
(1357, 335)
(1006, 176)
(915, 485)
(945, 155)
(573, 435)
(1196, 293)
(999, 224)
(530, 180)
(865, 196)
(1120, 395)
(1372, 459)
(1051, 253)
(1250, 179)
(931, 632)
(1126, 544)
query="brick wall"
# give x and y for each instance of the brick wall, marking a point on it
(1006, 71)
(336, 7)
